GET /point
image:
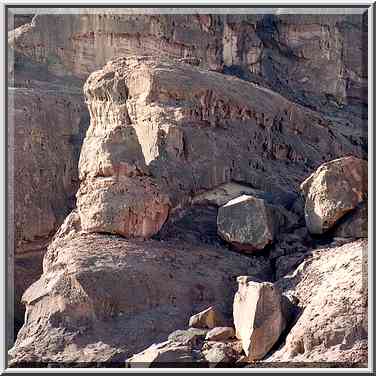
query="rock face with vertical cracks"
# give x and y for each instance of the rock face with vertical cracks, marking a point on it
(47, 124)
(104, 298)
(285, 52)
(163, 131)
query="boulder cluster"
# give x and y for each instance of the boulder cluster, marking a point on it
(214, 211)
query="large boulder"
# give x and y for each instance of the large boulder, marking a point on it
(247, 223)
(259, 317)
(164, 131)
(118, 296)
(336, 188)
(332, 289)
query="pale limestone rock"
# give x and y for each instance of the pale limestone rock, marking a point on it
(258, 316)
(333, 190)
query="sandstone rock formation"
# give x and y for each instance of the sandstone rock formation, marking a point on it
(44, 147)
(285, 52)
(105, 293)
(247, 223)
(161, 132)
(229, 105)
(336, 188)
(331, 286)
(258, 316)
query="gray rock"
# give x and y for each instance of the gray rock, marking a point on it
(246, 222)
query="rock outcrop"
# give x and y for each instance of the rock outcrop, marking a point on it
(258, 316)
(246, 223)
(222, 106)
(285, 52)
(331, 287)
(336, 188)
(44, 147)
(105, 293)
(163, 131)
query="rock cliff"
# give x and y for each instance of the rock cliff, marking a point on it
(187, 112)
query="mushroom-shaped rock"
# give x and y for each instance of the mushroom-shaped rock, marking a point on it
(333, 190)
(246, 222)
(258, 316)
(206, 319)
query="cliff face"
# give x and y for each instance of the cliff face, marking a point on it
(47, 123)
(286, 52)
(186, 113)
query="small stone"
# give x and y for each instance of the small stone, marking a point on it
(206, 319)
(220, 334)
(187, 337)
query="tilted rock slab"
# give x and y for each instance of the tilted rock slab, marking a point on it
(162, 131)
(108, 294)
(258, 316)
(336, 188)
(246, 222)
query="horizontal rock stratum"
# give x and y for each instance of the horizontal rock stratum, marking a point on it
(162, 131)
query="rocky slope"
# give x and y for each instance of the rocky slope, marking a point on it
(233, 107)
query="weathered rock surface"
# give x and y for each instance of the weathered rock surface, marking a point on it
(221, 354)
(165, 354)
(247, 223)
(168, 134)
(283, 51)
(336, 188)
(44, 147)
(207, 319)
(354, 224)
(161, 132)
(220, 333)
(331, 286)
(191, 336)
(258, 316)
(107, 293)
